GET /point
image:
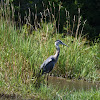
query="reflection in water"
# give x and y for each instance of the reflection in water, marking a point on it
(77, 84)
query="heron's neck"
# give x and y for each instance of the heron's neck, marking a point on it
(57, 53)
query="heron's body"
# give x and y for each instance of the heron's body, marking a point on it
(48, 65)
(50, 62)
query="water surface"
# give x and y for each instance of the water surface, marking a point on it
(72, 84)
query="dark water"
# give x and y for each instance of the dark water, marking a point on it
(70, 84)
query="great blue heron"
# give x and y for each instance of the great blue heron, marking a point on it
(49, 63)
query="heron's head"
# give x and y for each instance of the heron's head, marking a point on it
(57, 42)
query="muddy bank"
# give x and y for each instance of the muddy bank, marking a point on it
(13, 97)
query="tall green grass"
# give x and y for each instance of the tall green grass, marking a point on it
(21, 56)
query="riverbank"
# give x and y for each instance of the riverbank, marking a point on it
(50, 92)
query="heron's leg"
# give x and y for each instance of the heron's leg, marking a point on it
(44, 77)
(47, 78)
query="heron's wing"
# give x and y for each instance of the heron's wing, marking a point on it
(48, 65)
(46, 62)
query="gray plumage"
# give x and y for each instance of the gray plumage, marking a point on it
(50, 62)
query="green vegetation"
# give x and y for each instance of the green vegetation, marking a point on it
(21, 55)
(24, 53)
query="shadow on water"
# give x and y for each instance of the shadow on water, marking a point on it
(72, 84)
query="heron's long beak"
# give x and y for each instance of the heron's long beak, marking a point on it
(64, 44)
